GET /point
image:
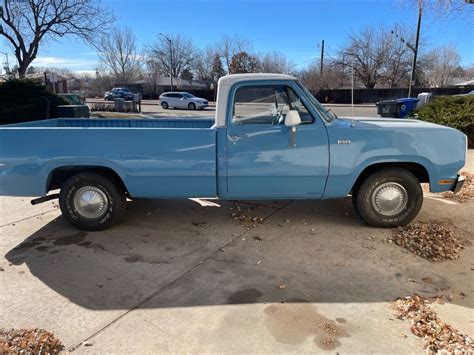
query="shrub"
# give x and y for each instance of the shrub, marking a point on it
(26, 100)
(451, 111)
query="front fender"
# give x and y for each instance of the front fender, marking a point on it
(440, 150)
(339, 185)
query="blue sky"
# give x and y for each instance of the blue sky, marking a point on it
(293, 27)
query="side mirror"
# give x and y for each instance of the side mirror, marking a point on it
(292, 118)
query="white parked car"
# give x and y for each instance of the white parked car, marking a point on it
(182, 100)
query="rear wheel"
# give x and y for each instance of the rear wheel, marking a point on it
(192, 106)
(91, 202)
(388, 198)
(164, 105)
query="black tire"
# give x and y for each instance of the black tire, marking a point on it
(113, 209)
(407, 200)
(164, 104)
(192, 106)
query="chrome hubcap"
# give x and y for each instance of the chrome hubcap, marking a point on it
(389, 199)
(90, 202)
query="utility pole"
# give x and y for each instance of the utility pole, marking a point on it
(415, 51)
(171, 59)
(414, 48)
(322, 57)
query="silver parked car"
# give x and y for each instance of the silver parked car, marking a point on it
(182, 100)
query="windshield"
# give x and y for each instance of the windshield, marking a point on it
(188, 96)
(324, 112)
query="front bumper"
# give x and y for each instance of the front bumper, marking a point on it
(458, 184)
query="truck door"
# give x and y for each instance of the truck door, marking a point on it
(261, 163)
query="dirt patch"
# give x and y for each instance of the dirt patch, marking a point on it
(439, 337)
(430, 240)
(467, 191)
(244, 214)
(30, 341)
(293, 323)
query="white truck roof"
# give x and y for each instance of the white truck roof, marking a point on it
(227, 81)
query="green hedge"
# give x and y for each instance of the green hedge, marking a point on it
(26, 100)
(451, 111)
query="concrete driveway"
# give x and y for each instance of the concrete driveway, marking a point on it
(280, 276)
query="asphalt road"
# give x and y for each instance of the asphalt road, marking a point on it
(152, 109)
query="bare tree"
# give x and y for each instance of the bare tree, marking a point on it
(203, 62)
(118, 53)
(398, 58)
(444, 66)
(368, 51)
(459, 9)
(28, 24)
(173, 54)
(276, 62)
(152, 72)
(228, 46)
(379, 56)
(332, 77)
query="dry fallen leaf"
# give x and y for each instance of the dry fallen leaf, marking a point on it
(430, 240)
(281, 286)
(244, 215)
(29, 341)
(467, 191)
(439, 337)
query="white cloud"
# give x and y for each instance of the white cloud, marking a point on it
(62, 62)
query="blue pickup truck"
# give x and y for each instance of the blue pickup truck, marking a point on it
(270, 139)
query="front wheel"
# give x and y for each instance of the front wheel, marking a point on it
(164, 105)
(91, 202)
(389, 198)
(192, 106)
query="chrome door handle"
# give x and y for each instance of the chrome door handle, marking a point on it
(234, 138)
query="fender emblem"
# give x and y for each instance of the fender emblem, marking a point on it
(343, 141)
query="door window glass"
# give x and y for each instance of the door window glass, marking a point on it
(296, 104)
(267, 105)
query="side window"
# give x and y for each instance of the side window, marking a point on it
(267, 105)
(258, 105)
(296, 104)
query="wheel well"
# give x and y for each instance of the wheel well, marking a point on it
(416, 169)
(59, 176)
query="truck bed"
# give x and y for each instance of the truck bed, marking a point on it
(119, 123)
(155, 158)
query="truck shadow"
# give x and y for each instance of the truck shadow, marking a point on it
(179, 254)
